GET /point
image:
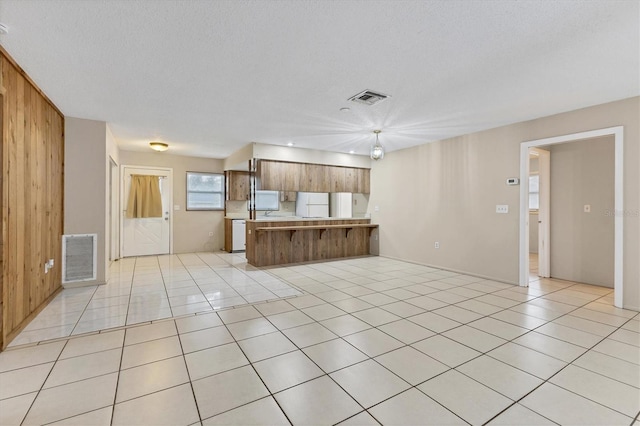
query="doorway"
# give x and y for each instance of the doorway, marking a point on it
(617, 133)
(539, 213)
(149, 235)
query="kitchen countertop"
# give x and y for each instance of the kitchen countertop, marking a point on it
(298, 218)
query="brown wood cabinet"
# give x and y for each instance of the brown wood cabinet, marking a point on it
(239, 185)
(288, 196)
(283, 176)
(228, 235)
(283, 241)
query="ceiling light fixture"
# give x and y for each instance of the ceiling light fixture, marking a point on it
(159, 146)
(352, 152)
(345, 109)
(290, 144)
(377, 150)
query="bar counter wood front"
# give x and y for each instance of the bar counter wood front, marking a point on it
(278, 242)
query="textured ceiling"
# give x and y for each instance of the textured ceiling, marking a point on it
(208, 77)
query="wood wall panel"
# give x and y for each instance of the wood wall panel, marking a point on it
(32, 156)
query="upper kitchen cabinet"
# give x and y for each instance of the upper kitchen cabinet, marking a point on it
(239, 185)
(337, 180)
(363, 185)
(304, 177)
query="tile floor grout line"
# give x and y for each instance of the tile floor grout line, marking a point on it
(186, 367)
(571, 363)
(256, 373)
(26, 414)
(133, 275)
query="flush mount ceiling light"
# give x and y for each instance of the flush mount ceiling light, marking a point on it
(377, 150)
(290, 144)
(159, 146)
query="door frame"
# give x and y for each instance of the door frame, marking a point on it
(169, 172)
(618, 133)
(544, 211)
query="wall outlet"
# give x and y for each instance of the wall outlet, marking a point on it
(376, 209)
(502, 208)
(211, 233)
(587, 208)
(436, 245)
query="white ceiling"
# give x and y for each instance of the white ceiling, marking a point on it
(209, 77)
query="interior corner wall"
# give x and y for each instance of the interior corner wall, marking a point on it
(85, 181)
(447, 191)
(582, 244)
(190, 228)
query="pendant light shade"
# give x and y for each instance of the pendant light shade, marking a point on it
(377, 150)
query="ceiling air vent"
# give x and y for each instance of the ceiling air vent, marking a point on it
(368, 97)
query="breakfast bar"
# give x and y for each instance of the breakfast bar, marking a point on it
(292, 240)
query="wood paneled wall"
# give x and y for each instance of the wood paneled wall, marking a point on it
(32, 154)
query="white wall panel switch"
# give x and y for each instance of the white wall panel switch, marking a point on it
(176, 207)
(502, 208)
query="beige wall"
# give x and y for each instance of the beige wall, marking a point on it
(190, 228)
(447, 191)
(239, 159)
(582, 243)
(85, 183)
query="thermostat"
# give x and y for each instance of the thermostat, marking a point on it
(513, 181)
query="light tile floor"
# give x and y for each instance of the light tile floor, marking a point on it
(371, 341)
(155, 287)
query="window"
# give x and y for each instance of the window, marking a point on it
(205, 191)
(534, 192)
(267, 200)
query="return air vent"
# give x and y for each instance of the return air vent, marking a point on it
(368, 97)
(79, 257)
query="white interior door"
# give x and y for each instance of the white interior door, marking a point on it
(544, 213)
(147, 236)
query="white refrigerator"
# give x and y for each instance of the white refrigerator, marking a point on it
(341, 204)
(312, 204)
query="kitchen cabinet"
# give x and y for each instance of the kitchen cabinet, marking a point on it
(363, 185)
(337, 180)
(239, 184)
(304, 177)
(288, 196)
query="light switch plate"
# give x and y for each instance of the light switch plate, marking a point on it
(502, 208)
(587, 208)
(176, 207)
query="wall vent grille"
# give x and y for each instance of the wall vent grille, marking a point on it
(79, 257)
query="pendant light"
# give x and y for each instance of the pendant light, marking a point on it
(377, 150)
